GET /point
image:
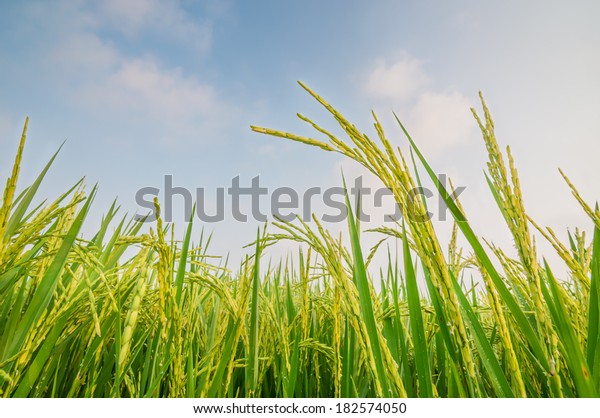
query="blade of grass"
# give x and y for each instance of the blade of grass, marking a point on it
(416, 324)
(593, 336)
(486, 353)
(572, 350)
(252, 359)
(366, 305)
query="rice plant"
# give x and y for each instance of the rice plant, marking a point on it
(128, 313)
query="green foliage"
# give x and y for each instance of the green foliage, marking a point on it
(133, 314)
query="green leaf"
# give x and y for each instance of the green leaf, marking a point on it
(571, 349)
(183, 259)
(593, 337)
(366, 305)
(486, 352)
(252, 360)
(416, 325)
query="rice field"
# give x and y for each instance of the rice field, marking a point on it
(129, 313)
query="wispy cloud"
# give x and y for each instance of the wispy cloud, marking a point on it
(135, 17)
(441, 121)
(438, 119)
(396, 80)
(82, 55)
(142, 91)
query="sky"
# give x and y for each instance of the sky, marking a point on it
(141, 89)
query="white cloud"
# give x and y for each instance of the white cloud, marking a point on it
(133, 14)
(162, 96)
(166, 17)
(136, 93)
(398, 80)
(440, 121)
(143, 85)
(82, 54)
(437, 120)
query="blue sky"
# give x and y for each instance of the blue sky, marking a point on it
(145, 88)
